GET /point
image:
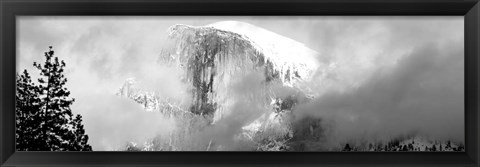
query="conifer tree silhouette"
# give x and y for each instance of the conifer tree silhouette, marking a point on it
(44, 119)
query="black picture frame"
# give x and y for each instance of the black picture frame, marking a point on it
(9, 9)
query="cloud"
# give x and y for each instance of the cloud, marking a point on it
(359, 46)
(249, 98)
(113, 121)
(100, 55)
(248, 103)
(423, 93)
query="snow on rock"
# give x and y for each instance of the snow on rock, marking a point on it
(149, 100)
(130, 90)
(286, 55)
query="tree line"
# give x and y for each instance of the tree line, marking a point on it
(396, 146)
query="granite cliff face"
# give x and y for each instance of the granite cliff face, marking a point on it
(215, 56)
(228, 65)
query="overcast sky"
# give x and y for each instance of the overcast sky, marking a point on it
(409, 68)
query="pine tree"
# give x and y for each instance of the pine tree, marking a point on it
(26, 113)
(55, 128)
(347, 148)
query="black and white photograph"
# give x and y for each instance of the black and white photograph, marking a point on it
(240, 83)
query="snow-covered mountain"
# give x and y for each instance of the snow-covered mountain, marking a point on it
(212, 56)
(216, 56)
(232, 44)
